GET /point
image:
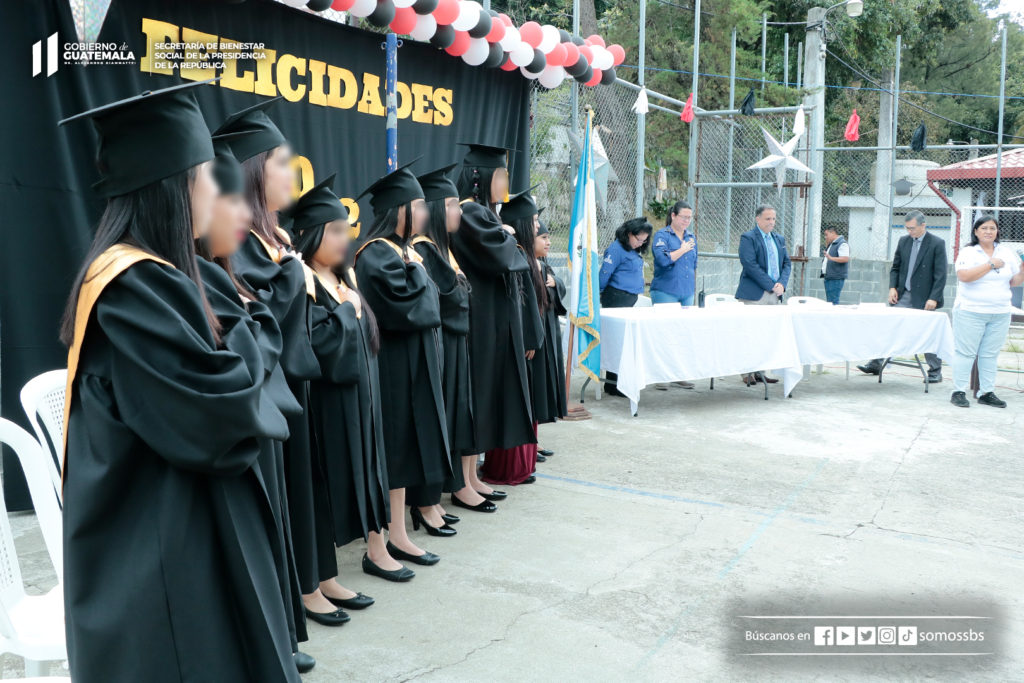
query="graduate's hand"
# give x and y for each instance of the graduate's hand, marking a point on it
(353, 298)
(530, 354)
(509, 229)
(551, 280)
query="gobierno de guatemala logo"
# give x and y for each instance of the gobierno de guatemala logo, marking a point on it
(80, 53)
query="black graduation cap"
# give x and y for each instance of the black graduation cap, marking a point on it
(256, 132)
(226, 169)
(317, 206)
(395, 189)
(485, 156)
(543, 229)
(747, 107)
(147, 138)
(437, 185)
(520, 205)
(918, 139)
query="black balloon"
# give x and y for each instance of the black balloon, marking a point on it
(564, 36)
(384, 14)
(576, 39)
(586, 75)
(578, 68)
(538, 63)
(483, 26)
(608, 76)
(424, 6)
(496, 56)
(318, 5)
(443, 37)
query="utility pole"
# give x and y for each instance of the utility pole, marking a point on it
(892, 154)
(814, 83)
(641, 118)
(692, 170)
(999, 140)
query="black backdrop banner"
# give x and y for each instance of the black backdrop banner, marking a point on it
(330, 75)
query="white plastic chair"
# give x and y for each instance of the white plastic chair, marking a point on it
(45, 500)
(43, 397)
(816, 302)
(718, 299)
(31, 626)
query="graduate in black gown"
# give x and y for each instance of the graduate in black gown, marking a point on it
(169, 540)
(549, 400)
(403, 297)
(268, 266)
(345, 401)
(491, 259)
(445, 216)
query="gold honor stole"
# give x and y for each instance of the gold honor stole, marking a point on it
(420, 239)
(335, 292)
(101, 273)
(275, 255)
(411, 253)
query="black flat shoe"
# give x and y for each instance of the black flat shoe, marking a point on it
(868, 369)
(494, 495)
(545, 452)
(450, 519)
(418, 520)
(303, 663)
(485, 506)
(397, 575)
(990, 399)
(335, 618)
(426, 559)
(959, 399)
(530, 479)
(360, 601)
(541, 458)
(934, 379)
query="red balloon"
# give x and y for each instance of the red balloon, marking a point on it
(531, 34)
(342, 5)
(497, 32)
(446, 12)
(595, 80)
(404, 21)
(572, 53)
(508, 65)
(587, 53)
(596, 39)
(505, 19)
(618, 53)
(557, 55)
(459, 45)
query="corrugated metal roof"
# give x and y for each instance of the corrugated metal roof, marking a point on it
(982, 167)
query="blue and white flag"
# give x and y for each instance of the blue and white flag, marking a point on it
(585, 264)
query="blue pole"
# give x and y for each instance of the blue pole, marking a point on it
(391, 98)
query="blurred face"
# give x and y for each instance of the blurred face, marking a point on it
(987, 233)
(766, 221)
(278, 178)
(536, 223)
(453, 214)
(682, 220)
(334, 245)
(830, 236)
(231, 219)
(499, 185)
(420, 216)
(203, 190)
(542, 245)
(914, 229)
(638, 240)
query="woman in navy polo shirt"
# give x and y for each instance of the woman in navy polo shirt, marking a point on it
(675, 259)
(622, 273)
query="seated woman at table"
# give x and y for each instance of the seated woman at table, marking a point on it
(622, 274)
(986, 270)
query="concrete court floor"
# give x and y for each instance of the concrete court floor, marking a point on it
(625, 560)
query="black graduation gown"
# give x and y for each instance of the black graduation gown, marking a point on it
(346, 413)
(453, 292)
(282, 287)
(228, 307)
(168, 533)
(405, 303)
(549, 364)
(491, 260)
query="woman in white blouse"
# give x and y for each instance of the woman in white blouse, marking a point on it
(981, 315)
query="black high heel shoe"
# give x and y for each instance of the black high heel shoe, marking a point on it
(450, 519)
(397, 575)
(335, 618)
(418, 520)
(426, 559)
(494, 495)
(485, 506)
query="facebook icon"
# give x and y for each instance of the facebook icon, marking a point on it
(824, 635)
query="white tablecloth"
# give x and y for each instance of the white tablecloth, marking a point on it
(650, 345)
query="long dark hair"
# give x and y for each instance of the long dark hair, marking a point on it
(524, 235)
(308, 243)
(676, 208)
(978, 222)
(386, 225)
(203, 252)
(157, 219)
(437, 224)
(475, 183)
(634, 226)
(264, 221)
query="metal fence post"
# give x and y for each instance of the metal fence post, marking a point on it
(999, 139)
(892, 157)
(732, 139)
(641, 118)
(692, 170)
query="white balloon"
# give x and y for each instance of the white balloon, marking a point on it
(425, 28)
(522, 54)
(363, 8)
(549, 38)
(552, 76)
(404, 3)
(469, 15)
(477, 53)
(295, 3)
(510, 39)
(527, 74)
(603, 59)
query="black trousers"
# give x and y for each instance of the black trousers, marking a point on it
(615, 298)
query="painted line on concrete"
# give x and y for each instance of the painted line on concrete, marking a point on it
(635, 492)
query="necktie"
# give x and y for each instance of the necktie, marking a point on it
(913, 259)
(773, 256)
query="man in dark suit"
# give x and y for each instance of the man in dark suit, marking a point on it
(766, 269)
(916, 280)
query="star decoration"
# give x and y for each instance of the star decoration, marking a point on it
(781, 157)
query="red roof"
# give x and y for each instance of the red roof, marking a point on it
(982, 167)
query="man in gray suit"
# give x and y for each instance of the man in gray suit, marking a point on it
(916, 280)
